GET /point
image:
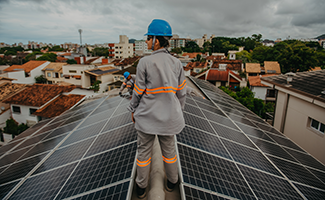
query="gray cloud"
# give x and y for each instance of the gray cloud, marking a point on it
(102, 20)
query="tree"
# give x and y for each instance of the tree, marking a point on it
(40, 79)
(71, 61)
(100, 51)
(96, 86)
(13, 128)
(56, 48)
(10, 52)
(245, 56)
(32, 56)
(190, 47)
(48, 56)
(176, 50)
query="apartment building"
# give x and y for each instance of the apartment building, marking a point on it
(141, 48)
(201, 41)
(123, 49)
(176, 42)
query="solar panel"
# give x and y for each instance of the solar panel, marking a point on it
(225, 151)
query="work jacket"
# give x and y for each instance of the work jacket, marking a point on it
(129, 84)
(159, 94)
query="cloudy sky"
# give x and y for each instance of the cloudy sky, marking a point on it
(102, 21)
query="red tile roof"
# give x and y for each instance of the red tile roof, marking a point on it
(214, 57)
(191, 55)
(128, 61)
(196, 64)
(256, 80)
(59, 105)
(27, 67)
(216, 75)
(61, 59)
(8, 89)
(38, 94)
(231, 64)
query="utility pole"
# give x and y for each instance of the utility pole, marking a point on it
(80, 31)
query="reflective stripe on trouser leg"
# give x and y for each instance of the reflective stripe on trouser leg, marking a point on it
(145, 142)
(167, 145)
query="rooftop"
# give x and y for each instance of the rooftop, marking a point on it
(27, 67)
(253, 68)
(224, 152)
(7, 89)
(235, 65)
(59, 105)
(308, 83)
(102, 71)
(272, 67)
(54, 66)
(38, 94)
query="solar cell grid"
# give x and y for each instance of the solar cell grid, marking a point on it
(285, 142)
(61, 157)
(20, 169)
(117, 121)
(31, 130)
(196, 194)
(212, 109)
(249, 157)
(62, 130)
(5, 189)
(212, 173)
(121, 109)
(306, 159)
(33, 140)
(204, 101)
(266, 186)
(243, 120)
(197, 122)
(219, 120)
(254, 132)
(273, 149)
(193, 110)
(84, 132)
(48, 128)
(297, 173)
(111, 139)
(319, 174)
(100, 170)
(202, 140)
(311, 193)
(43, 147)
(189, 100)
(12, 157)
(119, 191)
(43, 186)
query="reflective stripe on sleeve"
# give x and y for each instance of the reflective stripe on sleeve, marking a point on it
(170, 160)
(143, 163)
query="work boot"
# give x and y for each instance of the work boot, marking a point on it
(141, 192)
(170, 186)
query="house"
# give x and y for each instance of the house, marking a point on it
(197, 67)
(234, 65)
(103, 74)
(24, 103)
(271, 67)
(211, 59)
(7, 89)
(74, 74)
(261, 91)
(252, 69)
(300, 109)
(225, 77)
(191, 55)
(53, 72)
(27, 72)
(232, 53)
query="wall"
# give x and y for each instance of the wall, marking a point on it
(19, 75)
(3, 118)
(297, 124)
(24, 115)
(259, 92)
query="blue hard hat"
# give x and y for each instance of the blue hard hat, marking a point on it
(126, 74)
(159, 27)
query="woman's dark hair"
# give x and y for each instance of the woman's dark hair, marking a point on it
(163, 41)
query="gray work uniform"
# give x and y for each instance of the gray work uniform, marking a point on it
(129, 84)
(157, 103)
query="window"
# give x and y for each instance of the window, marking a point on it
(16, 109)
(72, 71)
(317, 125)
(48, 74)
(61, 75)
(32, 110)
(121, 78)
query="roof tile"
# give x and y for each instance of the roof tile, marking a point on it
(27, 67)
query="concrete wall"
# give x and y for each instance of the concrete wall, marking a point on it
(4, 117)
(297, 124)
(21, 78)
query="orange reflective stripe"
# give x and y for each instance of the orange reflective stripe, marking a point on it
(137, 91)
(124, 83)
(182, 83)
(163, 91)
(169, 160)
(135, 85)
(160, 88)
(143, 163)
(182, 87)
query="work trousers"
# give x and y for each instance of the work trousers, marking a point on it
(167, 145)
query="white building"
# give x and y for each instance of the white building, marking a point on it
(27, 72)
(123, 49)
(201, 41)
(74, 74)
(141, 48)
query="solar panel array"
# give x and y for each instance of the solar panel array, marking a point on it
(88, 152)
(225, 152)
(229, 152)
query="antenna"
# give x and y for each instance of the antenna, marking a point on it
(80, 31)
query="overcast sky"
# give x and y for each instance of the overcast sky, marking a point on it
(102, 21)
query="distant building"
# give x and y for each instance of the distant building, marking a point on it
(201, 41)
(176, 42)
(123, 49)
(53, 73)
(141, 48)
